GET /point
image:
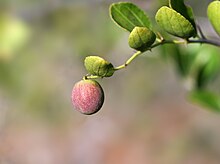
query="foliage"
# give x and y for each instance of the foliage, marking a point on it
(128, 16)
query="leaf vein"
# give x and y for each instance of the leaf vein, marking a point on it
(136, 16)
(117, 10)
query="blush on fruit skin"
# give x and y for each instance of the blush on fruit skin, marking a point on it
(87, 96)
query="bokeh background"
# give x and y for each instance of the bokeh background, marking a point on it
(146, 117)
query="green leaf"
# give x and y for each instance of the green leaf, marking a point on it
(209, 70)
(206, 99)
(183, 58)
(174, 23)
(127, 15)
(186, 11)
(213, 13)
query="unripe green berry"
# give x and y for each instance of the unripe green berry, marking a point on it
(97, 66)
(141, 38)
(87, 96)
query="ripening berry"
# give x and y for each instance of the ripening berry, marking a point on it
(87, 96)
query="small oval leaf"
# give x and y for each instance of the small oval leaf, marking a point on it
(184, 10)
(97, 66)
(213, 13)
(174, 23)
(127, 15)
(141, 38)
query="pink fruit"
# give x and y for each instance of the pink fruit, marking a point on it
(87, 96)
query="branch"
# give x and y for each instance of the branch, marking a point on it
(162, 42)
(206, 41)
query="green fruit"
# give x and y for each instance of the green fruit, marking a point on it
(97, 66)
(87, 96)
(213, 12)
(141, 38)
(174, 23)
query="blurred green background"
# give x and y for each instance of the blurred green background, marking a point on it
(146, 118)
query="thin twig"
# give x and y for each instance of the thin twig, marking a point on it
(162, 42)
(206, 41)
(200, 31)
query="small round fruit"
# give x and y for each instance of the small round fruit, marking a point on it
(141, 38)
(98, 66)
(87, 96)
